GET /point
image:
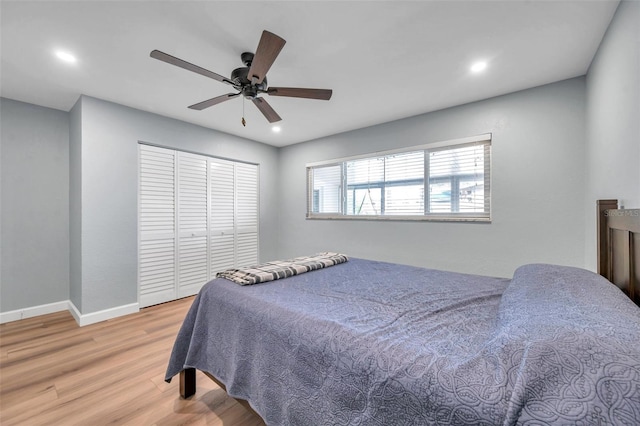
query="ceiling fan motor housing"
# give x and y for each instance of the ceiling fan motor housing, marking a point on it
(247, 58)
(239, 76)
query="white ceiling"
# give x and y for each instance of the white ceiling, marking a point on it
(384, 60)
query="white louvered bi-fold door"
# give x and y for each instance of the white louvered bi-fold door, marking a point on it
(193, 270)
(234, 214)
(246, 186)
(222, 183)
(197, 216)
(157, 245)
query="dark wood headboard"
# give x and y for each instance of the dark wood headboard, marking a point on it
(619, 247)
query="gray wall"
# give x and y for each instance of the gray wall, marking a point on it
(109, 192)
(35, 202)
(613, 120)
(537, 187)
(75, 206)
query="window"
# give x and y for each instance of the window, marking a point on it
(326, 189)
(441, 181)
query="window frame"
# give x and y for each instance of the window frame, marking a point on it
(484, 217)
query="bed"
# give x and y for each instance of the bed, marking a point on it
(375, 343)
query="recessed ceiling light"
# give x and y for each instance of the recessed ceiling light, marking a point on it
(66, 57)
(478, 66)
(275, 129)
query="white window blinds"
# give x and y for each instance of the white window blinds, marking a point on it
(457, 181)
(325, 192)
(386, 186)
(443, 181)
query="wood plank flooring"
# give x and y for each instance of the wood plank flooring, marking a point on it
(53, 372)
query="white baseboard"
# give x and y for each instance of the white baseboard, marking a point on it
(34, 311)
(106, 314)
(67, 305)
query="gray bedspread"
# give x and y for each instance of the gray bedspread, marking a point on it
(373, 343)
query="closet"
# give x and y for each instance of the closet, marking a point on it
(197, 216)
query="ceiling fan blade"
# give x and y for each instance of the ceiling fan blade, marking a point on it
(268, 49)
(165, 57)
(266, 110)
(296, 92)
(213, 101)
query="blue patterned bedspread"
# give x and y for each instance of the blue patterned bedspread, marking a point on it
(374, 343)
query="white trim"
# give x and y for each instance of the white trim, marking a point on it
(106, 314)
(215, 157)
(67, 305)
(439, 144)
(433, 217)
(34, 311)
(75, 313)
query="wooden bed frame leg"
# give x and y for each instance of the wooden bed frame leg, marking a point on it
(603, 236)
(187, 382)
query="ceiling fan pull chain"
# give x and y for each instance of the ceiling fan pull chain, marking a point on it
(244, 123)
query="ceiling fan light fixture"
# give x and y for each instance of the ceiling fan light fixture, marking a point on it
(478, 66)
(66, 57)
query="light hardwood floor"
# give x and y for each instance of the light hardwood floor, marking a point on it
(53, 372)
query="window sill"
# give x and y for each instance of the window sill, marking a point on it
(430, 218)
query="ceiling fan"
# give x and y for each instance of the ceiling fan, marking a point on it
(251, 80)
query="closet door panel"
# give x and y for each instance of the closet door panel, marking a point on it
(222, 215)
(156, 245)
(193, 268)
(247, 214)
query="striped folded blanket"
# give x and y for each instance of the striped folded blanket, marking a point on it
(282, 268)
